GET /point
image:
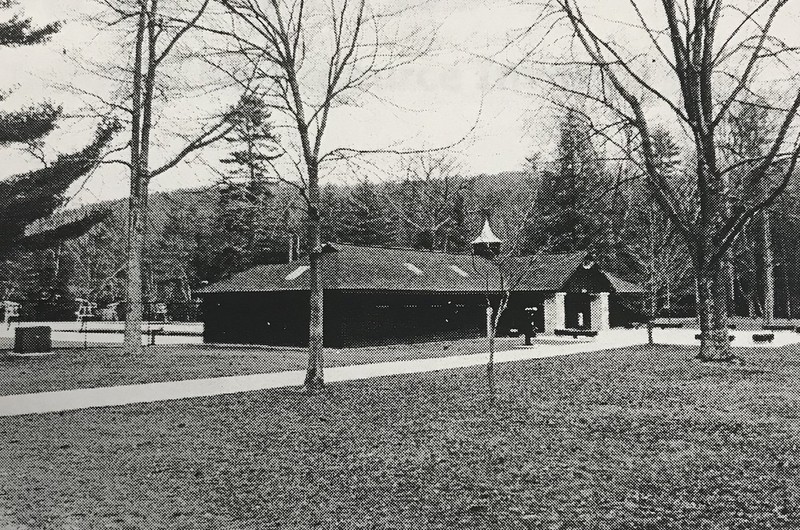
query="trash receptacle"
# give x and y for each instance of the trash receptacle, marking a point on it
(34, 339)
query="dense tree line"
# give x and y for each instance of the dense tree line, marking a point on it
(577, 201)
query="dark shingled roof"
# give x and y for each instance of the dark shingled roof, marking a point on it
(361, 268)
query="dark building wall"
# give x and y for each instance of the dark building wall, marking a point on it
(351, 319)
(391, 318)
(524, 309)
(360, 319)
(578, 311)
(626, 309)
(279, 319)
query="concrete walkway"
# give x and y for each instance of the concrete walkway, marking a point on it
(45, 402)
(743, 337)
(102, 334)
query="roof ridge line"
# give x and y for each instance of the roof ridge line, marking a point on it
(386, 247)
(425, 251)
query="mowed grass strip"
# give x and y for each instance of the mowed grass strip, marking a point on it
(97, 366)
(642, 437)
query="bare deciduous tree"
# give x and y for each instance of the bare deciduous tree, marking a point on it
(429, 199)
(315, 57)
(711, 55)
(160, 26)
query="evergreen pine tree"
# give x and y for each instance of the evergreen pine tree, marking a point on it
(245, 195)
(573, 216)
(29, 197)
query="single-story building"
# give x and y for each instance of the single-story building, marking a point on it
(375, 295)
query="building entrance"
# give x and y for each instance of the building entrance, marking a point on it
(578, 311)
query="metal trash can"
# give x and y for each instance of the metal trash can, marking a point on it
(34, 339)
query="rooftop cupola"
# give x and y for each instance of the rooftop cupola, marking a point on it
(487, 244)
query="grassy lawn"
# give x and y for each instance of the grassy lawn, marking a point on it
(93, 367)
(642, 438)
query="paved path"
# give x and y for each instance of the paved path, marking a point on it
(743, 337)
(44, 402)
(104, 325)
(101, 334)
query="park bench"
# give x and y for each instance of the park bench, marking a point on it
(575, 333)
(665, 325)
(10, 311)
(85, 310)
(699, 336)
(763, 337)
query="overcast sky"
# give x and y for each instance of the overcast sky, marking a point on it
(450, 96)
(453, 95)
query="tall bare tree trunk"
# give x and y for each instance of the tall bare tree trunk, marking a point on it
(719, 319)
(147, 57)
(315, 377)
(728, 273)
(729, 280)
(769, 273)
(713, 274)
(712, 294)
(754, 306)
(142, 123)
(136, 204)
(651, 272)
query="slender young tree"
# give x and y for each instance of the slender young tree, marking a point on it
(651, 241)
(505, 268)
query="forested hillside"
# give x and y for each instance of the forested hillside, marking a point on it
(579, 201)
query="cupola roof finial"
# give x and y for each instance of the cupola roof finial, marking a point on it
(487, 235)
(486, 244)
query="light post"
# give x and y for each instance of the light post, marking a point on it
(487, 245)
